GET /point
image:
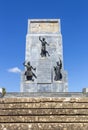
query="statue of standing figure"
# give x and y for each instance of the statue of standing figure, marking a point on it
(43, 47)
(29, 73)
(57, 70)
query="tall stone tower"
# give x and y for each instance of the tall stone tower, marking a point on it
(44, 31)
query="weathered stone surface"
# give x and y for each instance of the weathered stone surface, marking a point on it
(43, 26)
(44, 113)
(45, 105)
(85, 90)
(44, 119)
(45, 82)
(44, 72)
(44, 97)
(44, 126)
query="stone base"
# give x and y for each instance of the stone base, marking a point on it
(57, 86)
(50, 86)
(85, 90)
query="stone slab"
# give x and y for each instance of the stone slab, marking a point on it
(44, 119)
(85, 90)
(44, 71)
(46, 95)
(45, 105)
(44, 26)
(44, 112)
(44, 126)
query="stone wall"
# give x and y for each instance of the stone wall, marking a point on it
(44, 113)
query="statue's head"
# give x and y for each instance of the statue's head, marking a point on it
(28, 63)
(43, 39)
(58, 63)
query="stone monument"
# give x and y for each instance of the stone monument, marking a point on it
(44, 69)
(42, 103)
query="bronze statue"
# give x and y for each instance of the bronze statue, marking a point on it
(43, 47)
(29, 74)
(57, 69)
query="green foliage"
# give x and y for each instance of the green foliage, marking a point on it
(3, 91)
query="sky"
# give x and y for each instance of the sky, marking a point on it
(14, 15)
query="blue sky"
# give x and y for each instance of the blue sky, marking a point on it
(14, 15)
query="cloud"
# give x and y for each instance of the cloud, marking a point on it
(14, 70)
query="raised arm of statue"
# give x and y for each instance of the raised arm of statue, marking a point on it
(24, 63)
(40, 38)
(60, 64)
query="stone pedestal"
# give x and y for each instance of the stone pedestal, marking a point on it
(51, 31)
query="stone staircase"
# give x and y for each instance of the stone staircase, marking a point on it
(39, 111)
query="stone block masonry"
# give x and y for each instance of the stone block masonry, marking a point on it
(50, 30)
(44, 113)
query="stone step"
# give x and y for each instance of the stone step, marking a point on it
(43, 112)
(44, 105)
(44, 119)
(41, 98)
(44, 126)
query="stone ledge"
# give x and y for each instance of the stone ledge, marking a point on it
(44, 119)
(43, 112)
(47, 94)
(43, 105)
(44, 126)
